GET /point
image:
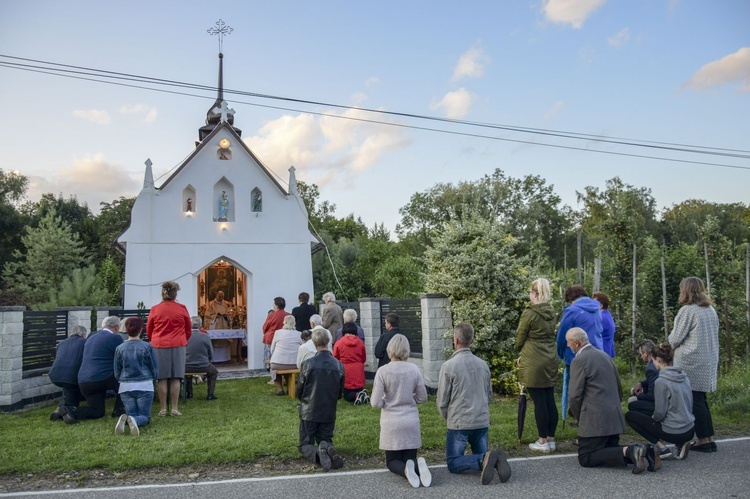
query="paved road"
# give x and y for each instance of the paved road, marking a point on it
(722, 474)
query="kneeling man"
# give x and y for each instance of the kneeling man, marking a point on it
(321, 385)
(463, 398)
(595, 383)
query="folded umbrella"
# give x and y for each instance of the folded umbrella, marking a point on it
(566, 382)
(521, 412)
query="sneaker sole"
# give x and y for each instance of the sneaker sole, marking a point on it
(411, 475)
(503, 466)
(325, 459)
(488, 468)
(424, 472)
(120, 425)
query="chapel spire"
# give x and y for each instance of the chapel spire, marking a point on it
(214, 115)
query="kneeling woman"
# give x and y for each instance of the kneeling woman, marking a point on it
(350, 351)
(136, 370)
(673, 420)
(397, 389)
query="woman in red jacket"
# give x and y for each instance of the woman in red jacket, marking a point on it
(168, 330)
(350, 350)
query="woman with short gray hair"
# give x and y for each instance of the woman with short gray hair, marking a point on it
(397, 389)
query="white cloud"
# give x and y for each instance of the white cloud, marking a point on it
(455, 104)
(470, 64)
(572, 12)
(621, 38)
(372, 81)
(91, 178)
(730, 68)
(97, 116)
(150, 112)
(554, 110)
(328, 149)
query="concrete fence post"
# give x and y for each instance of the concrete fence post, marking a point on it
(436, 322)
(369, 321)
(11, 357)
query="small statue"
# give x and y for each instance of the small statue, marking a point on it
(189, 204)
(257, 202)
(223, 206)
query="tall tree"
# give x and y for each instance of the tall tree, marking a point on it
(13, 187)
(113, 220)
(52, 252)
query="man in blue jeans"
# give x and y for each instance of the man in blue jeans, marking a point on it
(463, 398)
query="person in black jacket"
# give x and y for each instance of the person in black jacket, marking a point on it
(391, 330)
(64, 370)
(642, 399)
(303, 313)
(321, 385)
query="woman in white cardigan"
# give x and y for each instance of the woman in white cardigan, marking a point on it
(695, 339)
(397, 389)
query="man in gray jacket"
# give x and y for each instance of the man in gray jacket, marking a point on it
(463, 398)
(198, 356)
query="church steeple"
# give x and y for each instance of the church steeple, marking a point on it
(214, 115)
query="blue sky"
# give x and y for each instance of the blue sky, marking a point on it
(668, 71)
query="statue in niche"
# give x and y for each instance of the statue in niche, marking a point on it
(189, 204)
(224, 154)
(223, 206)
(257, 202)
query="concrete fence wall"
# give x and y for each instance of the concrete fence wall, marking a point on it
(18, 392)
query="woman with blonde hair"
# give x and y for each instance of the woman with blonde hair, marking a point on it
(284, 347)
(537, 364)
(168, 329)
(397, 389)
(695, 339)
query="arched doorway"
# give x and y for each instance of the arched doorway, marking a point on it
(222, 306)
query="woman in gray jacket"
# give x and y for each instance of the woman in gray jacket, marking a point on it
(673, 419)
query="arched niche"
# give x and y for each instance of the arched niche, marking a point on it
(223, 201)
(256, 200)
(189, 199)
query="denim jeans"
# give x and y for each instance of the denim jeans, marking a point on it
(138, 405)
(455, 447)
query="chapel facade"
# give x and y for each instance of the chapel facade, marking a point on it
(220, 223)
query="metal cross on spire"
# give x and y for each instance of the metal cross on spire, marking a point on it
(222, 29)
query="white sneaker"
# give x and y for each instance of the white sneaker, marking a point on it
(546, 448)
(424, 472)
(120, 426)
(411, 474)
(552, 446)
(134, 431)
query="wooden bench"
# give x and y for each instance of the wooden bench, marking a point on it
(183, 391)
(291, 384)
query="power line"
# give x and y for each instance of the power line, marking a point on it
(95, 75)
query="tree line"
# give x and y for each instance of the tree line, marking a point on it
(481, 242)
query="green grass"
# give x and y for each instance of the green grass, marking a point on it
(247, 424)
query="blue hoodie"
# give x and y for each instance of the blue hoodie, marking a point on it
(583, 313)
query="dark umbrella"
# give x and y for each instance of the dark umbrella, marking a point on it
(521, 412)
(566, 383)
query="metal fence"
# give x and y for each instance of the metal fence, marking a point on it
(410, 320)
(142, 313)
(42, 331)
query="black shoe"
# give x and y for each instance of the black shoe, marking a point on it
(665, 452)
(502, 466)
(69, 419)
(58, 413)
(488, 467)
(280, 393)
(702, 448)
(681, 452)
(189, 395)
(637, 453)
(653, 458)
(212, 397)
(713, 447)
(336, 460)
(323, 457)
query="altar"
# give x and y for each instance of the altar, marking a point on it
(224, 354)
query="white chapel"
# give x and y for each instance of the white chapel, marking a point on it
(220, 222)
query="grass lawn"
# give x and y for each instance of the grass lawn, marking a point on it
(246, 424)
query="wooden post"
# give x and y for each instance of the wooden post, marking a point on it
(664, 297)
(634, 304)
(708, 274)
(578, 259)
(597, 274)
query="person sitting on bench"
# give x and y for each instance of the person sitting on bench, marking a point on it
(198, 356)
